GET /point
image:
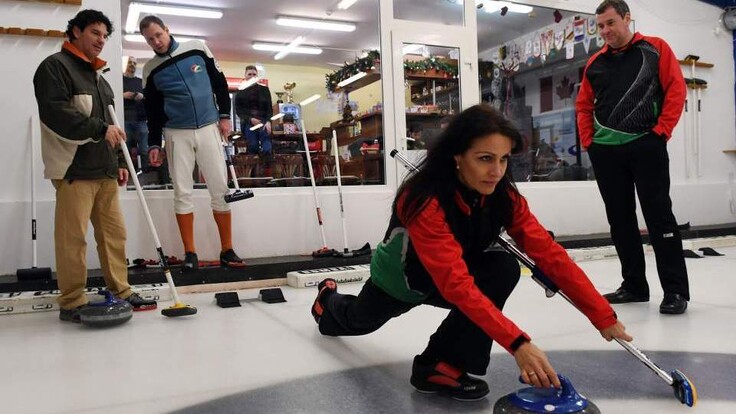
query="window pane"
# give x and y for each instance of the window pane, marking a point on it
(432, 92)
(273, 154)
(448, 12)
(531, 65)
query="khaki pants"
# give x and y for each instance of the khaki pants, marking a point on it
(78, 203)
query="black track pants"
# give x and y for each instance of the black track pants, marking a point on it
(457, 341)
(642, 166)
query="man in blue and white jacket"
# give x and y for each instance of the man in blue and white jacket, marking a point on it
(187, 102)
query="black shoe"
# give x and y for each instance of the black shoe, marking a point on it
(228, 258)
(446, 379)
(71, 315)
(624, 296)
(325, 288)
(140, 304)
(191, 262)
(673, 304)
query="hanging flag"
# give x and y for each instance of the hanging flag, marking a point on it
(570, 50)
(559, 40)
(579, 30)
(592, 26)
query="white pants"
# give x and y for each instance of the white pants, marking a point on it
(183, 147)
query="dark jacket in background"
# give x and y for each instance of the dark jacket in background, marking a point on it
(254, 102)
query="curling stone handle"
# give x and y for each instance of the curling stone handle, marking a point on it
(107, 294)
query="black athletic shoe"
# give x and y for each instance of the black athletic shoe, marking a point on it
(624, 296)
(191, 262)
(228, 258)
(71, 315)
(140, 304)
(325, 288)
(446, 379)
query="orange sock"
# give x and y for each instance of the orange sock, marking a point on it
(224, 227)
(186, 229)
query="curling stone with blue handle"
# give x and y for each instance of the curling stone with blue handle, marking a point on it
(546, 400)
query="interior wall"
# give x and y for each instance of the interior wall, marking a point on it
(282, 221)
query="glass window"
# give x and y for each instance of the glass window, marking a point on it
(447, 12)
(531, 66)
(432, 87)
(329, 84)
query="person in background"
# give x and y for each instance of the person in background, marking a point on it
(630, 100)
(79, 147)
(253, 106)
(435, 252)
(135, 113)
(187, 101)
(414, 139)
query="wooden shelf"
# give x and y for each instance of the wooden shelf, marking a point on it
(439, 93)
(730, 151)
(19, 31)
(698, 64)
(364, 81)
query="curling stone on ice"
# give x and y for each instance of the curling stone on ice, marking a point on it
(545, 400)
(110, 312)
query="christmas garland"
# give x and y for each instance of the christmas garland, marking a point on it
(363, 64)
(440, 65)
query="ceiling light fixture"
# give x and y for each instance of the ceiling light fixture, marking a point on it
(344, 4)
(254, 127)
(309, 100)
(291, 46)
(351, 79)
(277, 116)
(135, 9)
(277, 47)
(315, 24)
(138, 38)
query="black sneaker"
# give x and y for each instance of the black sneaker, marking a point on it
(228, 258)
(622, 295)
(140, 304)
(190, 262)
(71, 315)
(325, 288)
(446, 379)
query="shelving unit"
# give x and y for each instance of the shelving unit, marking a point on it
(364, 81)
(20, 31)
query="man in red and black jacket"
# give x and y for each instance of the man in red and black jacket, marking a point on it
(630, 100)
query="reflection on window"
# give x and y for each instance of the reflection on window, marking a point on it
(329, 83)
(531, 66)
(432, 92)
(447, 12)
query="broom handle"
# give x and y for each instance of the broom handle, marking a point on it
(141, 198)
(314, 185)
(33, 192)
(335, 152)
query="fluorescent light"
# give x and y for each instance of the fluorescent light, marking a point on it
(315, 24)
(138, 38)
(135, 9)
(294, 43)
(309, 100)
(256, 126)
(351, 79)
(245, 84)
(494, 6)
(276, 47)
(277, 116)
(344, 4)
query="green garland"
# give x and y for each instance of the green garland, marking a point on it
(363, 64)
(440, 65)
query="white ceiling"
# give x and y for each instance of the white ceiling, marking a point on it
(248, 21)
